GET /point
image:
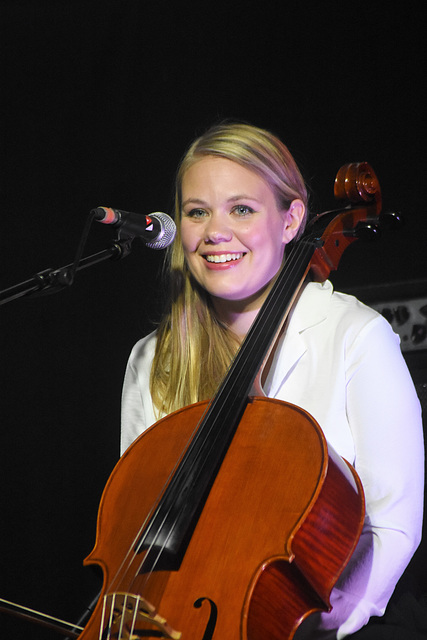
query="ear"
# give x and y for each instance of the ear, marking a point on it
(293, 219)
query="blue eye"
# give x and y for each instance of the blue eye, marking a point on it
(196, 213)
(243, 209)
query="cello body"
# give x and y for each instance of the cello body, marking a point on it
(279, 524)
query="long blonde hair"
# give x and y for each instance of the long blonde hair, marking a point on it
(194, 349)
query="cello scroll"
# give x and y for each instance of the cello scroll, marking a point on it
(357, 183)
(357, 186)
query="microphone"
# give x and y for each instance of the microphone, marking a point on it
(156, 230)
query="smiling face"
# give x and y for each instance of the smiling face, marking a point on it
(233, 233)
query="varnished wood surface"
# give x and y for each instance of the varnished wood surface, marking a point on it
(261, 513)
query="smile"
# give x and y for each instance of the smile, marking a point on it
(224, 257)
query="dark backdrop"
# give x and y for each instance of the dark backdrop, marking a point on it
(99, 100)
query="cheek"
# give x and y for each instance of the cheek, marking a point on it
(187, 238)
(268, 241)
(190, 240)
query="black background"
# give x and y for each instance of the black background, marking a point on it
(99, 101)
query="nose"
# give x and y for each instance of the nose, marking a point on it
(217, 230)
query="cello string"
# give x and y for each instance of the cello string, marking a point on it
(291, 266)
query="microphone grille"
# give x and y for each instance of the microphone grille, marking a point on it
(167, 234)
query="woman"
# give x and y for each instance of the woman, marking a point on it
(240, 200)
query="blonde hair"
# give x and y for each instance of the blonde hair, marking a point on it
(194, 349)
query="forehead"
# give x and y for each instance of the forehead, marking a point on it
(217, 173)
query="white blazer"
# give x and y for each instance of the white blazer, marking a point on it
(340, 361)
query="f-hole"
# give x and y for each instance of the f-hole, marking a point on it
(210, 627)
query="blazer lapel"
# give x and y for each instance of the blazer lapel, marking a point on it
(311, 309)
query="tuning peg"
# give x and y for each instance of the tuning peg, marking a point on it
(390, 220)
(367, 231)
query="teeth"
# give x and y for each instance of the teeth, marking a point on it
(225, 257)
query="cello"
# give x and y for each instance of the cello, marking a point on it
(211, 527)
(233, 519)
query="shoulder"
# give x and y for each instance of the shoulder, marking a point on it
(320, 302)
(339, 318)
(329, 301)
(137, 406)
(142, 353)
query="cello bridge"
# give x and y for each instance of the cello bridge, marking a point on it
(123, 614)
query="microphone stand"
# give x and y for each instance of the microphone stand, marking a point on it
(45, 282)
(54, 280)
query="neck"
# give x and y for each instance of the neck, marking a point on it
(238, 321)
(238, 315)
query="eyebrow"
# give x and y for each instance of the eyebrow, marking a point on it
(241, 196)
(193, 201)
